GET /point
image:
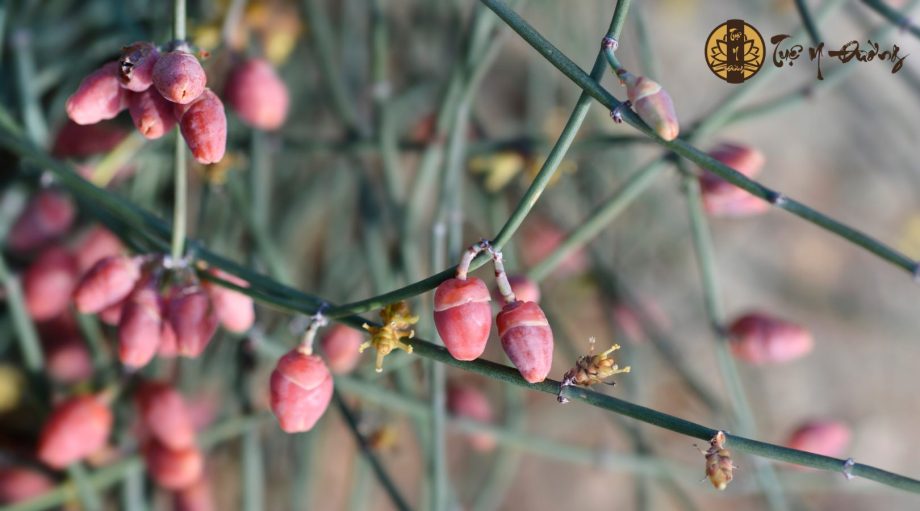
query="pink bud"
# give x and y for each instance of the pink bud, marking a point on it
(301, 388)
(826, 437)
(234, 309)
(140, 326)
(469, 402)
(48, 283)
(76, 141)
(98, 97)
(108, 282)
(96, 245)
(48, 215)
(652, 103)
(192, 319)
(136, 65)
(759, 338)
(258, 94)
(166, 415)
(721, 198)
(18, 484)
(173, 469)
(152, 115)
(463, 316)
(75, 429)
(179, 77)
(340, 345)
(204, 126)
(196, 497)
(527, 339)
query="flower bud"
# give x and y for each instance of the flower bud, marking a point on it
(166, 415)
(257, 94)
(48, 283)
(98, 97)
(234, 309)
(108, 282)
(136, 65)
(152, 115)
(721, 198)
(196, 497)
(463, 316)
(193, 321)
(204, 127)
(18, 484)
(173, 469)
(139, 327)
(527, 339)
(179, 77)
(469, 402)
(652, 103)
(48, 215)
(759, 338)
(340, 345)
(825, 437)
(75, 429)
(96, 245)
(301, 388)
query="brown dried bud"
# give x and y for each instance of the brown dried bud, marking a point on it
(719, 464)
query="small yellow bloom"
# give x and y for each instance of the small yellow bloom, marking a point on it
(397, 318)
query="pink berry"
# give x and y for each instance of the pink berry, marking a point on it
(469, 402)
(48, 215)
(173, 469)
(152, 115)
(136, 66)
(723, 199)
(759, 338)
(257, 94)
(77, 141)
(204, 127)
(196, 497)
(301, 388)
(463, 316)
(340, 346)
(825, 437)
(76, 428)
(527, 339)
(107, 283)
(192, 319)
(18, 484)
(140, 327)
(48, 283)
(165, 415)
(234, 309)
(179, 77)
(96, 245)
(98, 97)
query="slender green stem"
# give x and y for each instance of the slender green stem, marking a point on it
(808, 22)
(179, 20)
(25, 74)
(22, 321)
(180, 207)
(89, 498)
(253, 472)
(894, 16)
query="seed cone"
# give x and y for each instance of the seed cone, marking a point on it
(204, 127)
(135, 70)
(173, 469)
(107, 283)
(48, 215)
(76, 428)
(49, 282)
(234, 309)
(340, 345)
(179, 77)
(152, 115)
(140, 327)
(193, 321)
(760, 338)
(301, 388)
(527, 339)
(99, 96)
(257, 94)
(166, 415)
(463, 316)
(652, 103)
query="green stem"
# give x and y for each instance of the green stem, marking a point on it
(180, 206)
(179, 20)
(22, 322)
(808, 21)
(894, 16)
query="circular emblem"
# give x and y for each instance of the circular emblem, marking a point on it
(734, 51)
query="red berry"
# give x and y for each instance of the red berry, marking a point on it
(759, 338)
(97, 244)
(179, 77)
(98, 97)
(234, 309)
(76, 428)
(18, 484)
(192, 319)
(152, 115)
(470, 402)
(204, 127)
(76, 141)
(527, 339)
(136, 65)
(721, 198)
(257, 94)
(463, 316)
(825, 437)
(140, 327)
(48, 215)
(301, 388)
(173, 469)
(196, 497)
(340, 346)
(107, 283)
(166, 415)
(48, 283)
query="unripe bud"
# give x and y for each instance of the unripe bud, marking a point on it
(18, 484)
(98, 97)
(759, 338)
(652, 103)
(179, 77)
(234, 309)
(196, 497)
(463, 316)
(257, 94)
(96, 245)
(108, 282)
(48, 283)
(527, 339)
(340, 345)
(301, 388)
(204, 127)
(152, 115)
(470, 402)
(166, 415)
(140, 326)
(825, 437)
(75, 429)
(173, 469)
(48, 215)
(136, 65)
(721, 198)
(193, 321)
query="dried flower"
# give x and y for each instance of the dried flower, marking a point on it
(397, 318)
(591, 369)
(718, 462)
